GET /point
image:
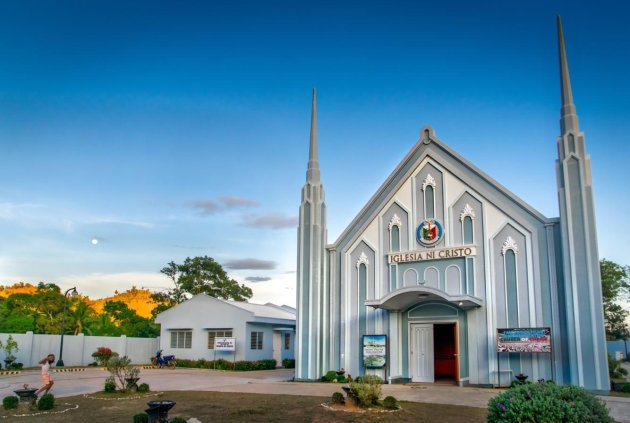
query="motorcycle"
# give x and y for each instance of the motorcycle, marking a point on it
(164, 360)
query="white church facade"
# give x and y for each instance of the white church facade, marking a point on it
(441, 259)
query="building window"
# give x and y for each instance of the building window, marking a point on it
(429, 202)
(217, 333)
(181, 339)
(468, 230)
(257, 341)
(287, 341)
(395, 238)
(511, 287)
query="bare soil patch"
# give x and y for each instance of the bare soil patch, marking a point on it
(239, 407)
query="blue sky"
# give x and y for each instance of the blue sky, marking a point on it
(169, 129)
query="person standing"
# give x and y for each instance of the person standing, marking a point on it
(46, 362)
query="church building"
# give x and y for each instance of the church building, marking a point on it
(447, 275)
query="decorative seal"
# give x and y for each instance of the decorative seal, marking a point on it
(429, 232)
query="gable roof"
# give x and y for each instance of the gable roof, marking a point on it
(258, 312)
(423, 148)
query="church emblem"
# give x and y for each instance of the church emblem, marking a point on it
(429, 232)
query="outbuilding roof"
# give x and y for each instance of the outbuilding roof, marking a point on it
(268, 310)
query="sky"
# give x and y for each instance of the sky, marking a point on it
(172, 129)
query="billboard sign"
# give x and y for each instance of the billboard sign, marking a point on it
(524, 340)
(374, 351)
(225, 344)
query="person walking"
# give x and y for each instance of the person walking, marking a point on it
(46, 375)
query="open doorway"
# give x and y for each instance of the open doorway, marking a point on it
(445, 352)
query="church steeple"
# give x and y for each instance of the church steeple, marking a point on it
(312, 174)
(568, 118)
(581, 332)
(312, 335)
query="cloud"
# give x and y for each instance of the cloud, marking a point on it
(257, 279)
(271, 220)
(250, 264)
(116, 221)
(232, 201)
(222, 203)
(12, 210)
(206, 207)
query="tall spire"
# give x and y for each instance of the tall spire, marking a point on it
(568, 118)
(312, 174)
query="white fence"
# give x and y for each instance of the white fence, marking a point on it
(77, 350)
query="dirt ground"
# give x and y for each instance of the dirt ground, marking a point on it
(236, 407)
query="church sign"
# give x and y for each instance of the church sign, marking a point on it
(374, 351)
(534, 340)
(225, 344)
(433, 254)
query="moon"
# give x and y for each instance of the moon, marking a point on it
(94, 241)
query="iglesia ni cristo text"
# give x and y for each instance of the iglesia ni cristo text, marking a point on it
(442, 261)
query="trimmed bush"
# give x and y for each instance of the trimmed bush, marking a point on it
(143, 387)
(110, 384)
(372, 380)
(102, 355)
(288, 363)
(547, 402)
(342, 379)
(46, 402)
(337, 398)
(365, 394)
(141, 418)
(329, 376)
(10, 402)
(390, 403)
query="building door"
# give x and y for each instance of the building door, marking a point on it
(445, 352)
(277, 348)
(421, 354)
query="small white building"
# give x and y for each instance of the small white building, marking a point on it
(262, 331)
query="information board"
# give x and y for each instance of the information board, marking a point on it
(524, 340)
(374, 351)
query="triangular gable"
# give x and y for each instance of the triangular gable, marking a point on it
(430, 146)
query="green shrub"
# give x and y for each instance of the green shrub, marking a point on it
(222, 364)
(185, 363)
(365, 394)
(372, 380)
(177, 420)
(337, 398)
(546, 402)
(46, 402)
(329, 376)
(622, 387)
(143, 387)
(110, 384)
(288, 363)
(17, 366)
(615, 370)
(390, 403)
(10, 402)
(141, 418)
(342, 379)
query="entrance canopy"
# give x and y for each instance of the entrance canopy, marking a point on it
(403, 298)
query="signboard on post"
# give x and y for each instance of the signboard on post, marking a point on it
(524, 340)
(374, 351)
(225, 344)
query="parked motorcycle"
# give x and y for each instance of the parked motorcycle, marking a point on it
(164, 360)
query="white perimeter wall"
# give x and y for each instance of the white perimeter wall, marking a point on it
(77, 350)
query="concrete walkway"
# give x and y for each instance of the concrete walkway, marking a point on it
(266, 382)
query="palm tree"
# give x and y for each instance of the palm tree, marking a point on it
(82, 317)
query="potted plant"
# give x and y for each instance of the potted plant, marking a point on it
(132, 379)
(9, 346)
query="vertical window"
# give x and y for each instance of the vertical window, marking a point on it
(511, 288)
(181, 339)
(429, 202)
(395, 238)
(287, 341)
(217, 333)
(362, 296)
(256, 341)
(468, 230)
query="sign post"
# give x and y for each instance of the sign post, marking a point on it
(523, 340)
(375, 352)
(224, 344)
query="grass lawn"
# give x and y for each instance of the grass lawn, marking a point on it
(238, 407)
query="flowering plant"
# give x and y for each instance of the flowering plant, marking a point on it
(102, 355)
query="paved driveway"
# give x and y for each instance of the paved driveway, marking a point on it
(265, 382)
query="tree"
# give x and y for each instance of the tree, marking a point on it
(615, 288)
(129, 322)
(199, 275)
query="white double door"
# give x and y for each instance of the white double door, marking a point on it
(421, 353)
